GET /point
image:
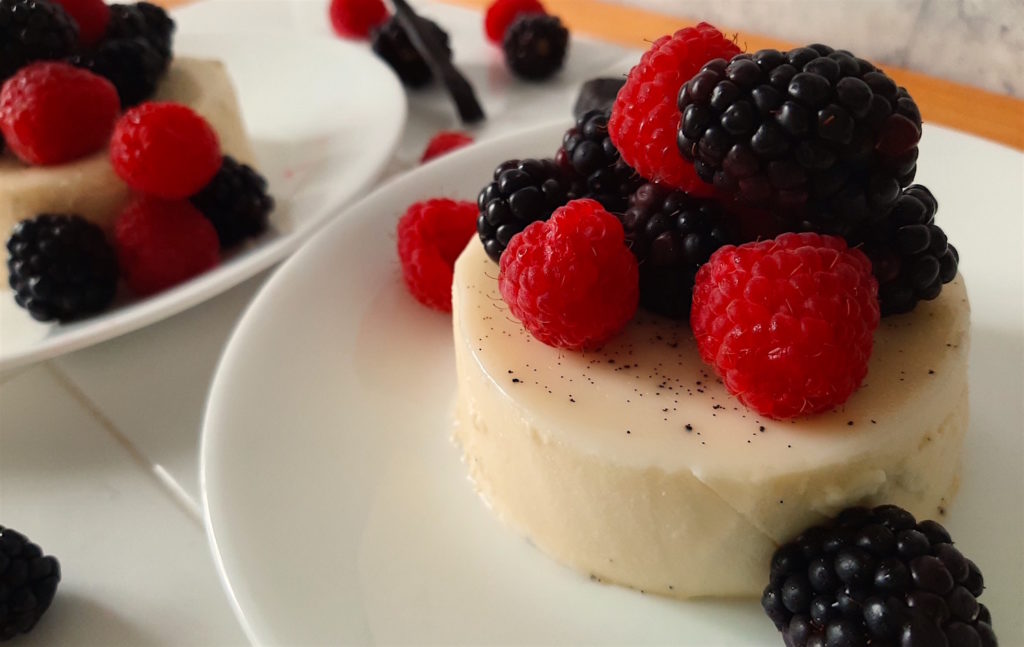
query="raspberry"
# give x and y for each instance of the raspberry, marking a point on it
(356, 18)
(162, 243)
(571, 280)
(431, 235)
(51, 113)
(787, 323)
(502, 13)
(443, 142)
(92, 17)
(28, 581)
(165, 149)
(535, 46)
(644, 117)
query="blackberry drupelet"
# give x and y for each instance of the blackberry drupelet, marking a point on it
(391, 43)
(521, 192)
(28, 580)
(33, 30)
(131, 64)
(143, 20)
(236, 202)
(588, 152)
(811, 131)
(876, 577)
(672, 235)
(535, 46)
(61, 267)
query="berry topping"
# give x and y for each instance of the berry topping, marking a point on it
(131, 64)
(165, 149)
(522, 192)
(431, 235)
(644, 118)
(672, 235)
(236, 202)
(443, 142)
(144, 20)
(162, 243)
(502, 13)
(535, 46)
(787, 323)
(391, 43)
(33, 30)
(51, 113)
(356, 18)
(91, 16)
(588, 152)
(571, 280)
(876, 577)
(29, 581)
(61, 267)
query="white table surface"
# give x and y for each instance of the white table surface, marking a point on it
(99, 459)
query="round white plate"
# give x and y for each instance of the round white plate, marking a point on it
(324, 117)
(339, 511)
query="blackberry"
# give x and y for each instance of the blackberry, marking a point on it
(143, 20)
(236, 202)
(391, 43)
(589, 152)
(131, 64)
(876, 577)
(33, 30)
(28, 581)
(535, 46)
(813, 130)
(597, 94)
(61, 267)
(520, 193)
(672, 235)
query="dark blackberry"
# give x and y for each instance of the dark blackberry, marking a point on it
(33, 30)
(131, 64)
(143, 20)
(28, 581)
(672, 235)
(520, 193)
(811, 131)
(588, 152)
(597, 94)
(236, 202)
(865, 578)
(61, 267)
(535, 46)
(392, 44)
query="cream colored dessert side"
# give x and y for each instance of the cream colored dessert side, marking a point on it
(633, 464)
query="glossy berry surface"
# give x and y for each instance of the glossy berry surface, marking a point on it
(356, 18)
(236, 202)
(502, 13)
(535, 46)
(588, 152)
(431, 235)
(28, 580)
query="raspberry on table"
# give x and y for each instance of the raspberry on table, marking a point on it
(571, 280)
(91, 16)
(356, 18)
(444, 142)
(131, 64)
(644, 117)
(535, 46)
(502, 13)
(588, 152)
(51, 112)
(165, 149)
(161, 243)
(236, 202)
(34, 30)
(787, 323)
(390, 42)
(431, 235)
(29, 581)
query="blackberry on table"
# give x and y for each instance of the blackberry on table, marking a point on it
(143, 20)
(812, 130)
(133, 65)
(61, 267)
(392, 43)
(33, 30)
(589, 152)
(28, 580)
(876, 577)
(535, 46)
(236, 202)
(672, 235)
(521, 192)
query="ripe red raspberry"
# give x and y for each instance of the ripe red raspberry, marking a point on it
(443, 142)
(431, 235)
(165, 149)
(645, 117)
(52, 113)
(92, 17)
(161, 243)
(571, 280)
(502, 13)
(787, 323)
(357, 18)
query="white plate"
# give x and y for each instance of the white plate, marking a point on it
(324, 117)
(339, 511)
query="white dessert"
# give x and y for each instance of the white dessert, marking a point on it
(635, 465)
